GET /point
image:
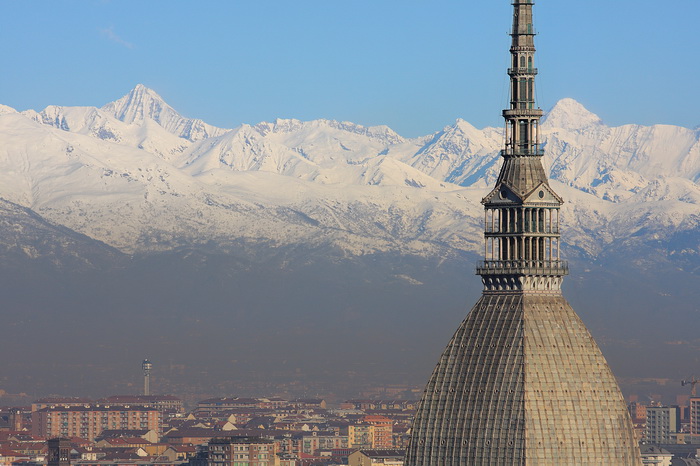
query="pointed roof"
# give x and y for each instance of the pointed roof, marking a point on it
(522, 174)
(523, 382)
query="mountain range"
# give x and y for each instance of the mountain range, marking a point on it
(111, 192)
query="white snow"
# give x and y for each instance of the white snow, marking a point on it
(139, 176)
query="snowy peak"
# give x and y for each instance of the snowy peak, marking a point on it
(142, 104)
(382, 133)
(139, 104)
(568, 113)
(5, 109)
(51, 116)
(459, 154)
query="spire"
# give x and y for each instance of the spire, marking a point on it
(522, 211)
(523, 118)
(522, 382)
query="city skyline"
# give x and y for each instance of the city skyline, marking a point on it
(171, 431)
(412, 66)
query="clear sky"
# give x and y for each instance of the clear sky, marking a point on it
(414, 65)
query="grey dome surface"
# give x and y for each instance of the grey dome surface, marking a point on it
(522, 382)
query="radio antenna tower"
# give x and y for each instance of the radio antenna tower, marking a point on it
(146, 366)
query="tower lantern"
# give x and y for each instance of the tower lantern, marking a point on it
(522, 212)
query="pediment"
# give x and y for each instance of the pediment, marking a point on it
(542, 194)
(502, 194)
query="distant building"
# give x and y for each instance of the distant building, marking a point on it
(163, 403)
(685, 462)
(89, 421)
(64, 401)
(9, 457)
(189, 436)
(241, 451)
(663, 424)
(360, 436)
(374, 457)
(11, 419)
(372, 432)
(656, 456)
(638, 411)
(381, 431)
(312, 442)
(180, 452)
(379, 404)
(309, 403)
(150, 435)
(695, 416)
(216, 406)
(59, 452)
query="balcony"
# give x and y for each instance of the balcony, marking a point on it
(523, 112)
(522, 152)
(520, 71)
(523, 267)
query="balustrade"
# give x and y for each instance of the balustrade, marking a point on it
(522, 267)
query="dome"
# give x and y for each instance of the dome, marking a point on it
(522, 382)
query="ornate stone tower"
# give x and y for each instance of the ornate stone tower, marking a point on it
(58, 452)
(522, 382)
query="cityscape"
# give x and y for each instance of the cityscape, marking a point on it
(164, 429)
(292, 283)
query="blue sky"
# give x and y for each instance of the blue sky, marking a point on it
(413, 65)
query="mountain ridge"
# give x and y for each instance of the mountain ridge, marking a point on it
(131, 169)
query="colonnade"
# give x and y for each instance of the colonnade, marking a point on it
(522, 233)
(523, 136)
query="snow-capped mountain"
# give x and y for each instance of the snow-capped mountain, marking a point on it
(140, 177)
(142, 105)
(26, 237)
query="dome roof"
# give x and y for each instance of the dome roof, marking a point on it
(522, 382)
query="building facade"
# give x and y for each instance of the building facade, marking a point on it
(695, 416)
(88, 422)
(59, 452)
(311, 443)
(382, 431)
(376, 457)
(241, 451)
(522, 382)
(638, 411)
(663, 424)
(372, 432)
(656, 456)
